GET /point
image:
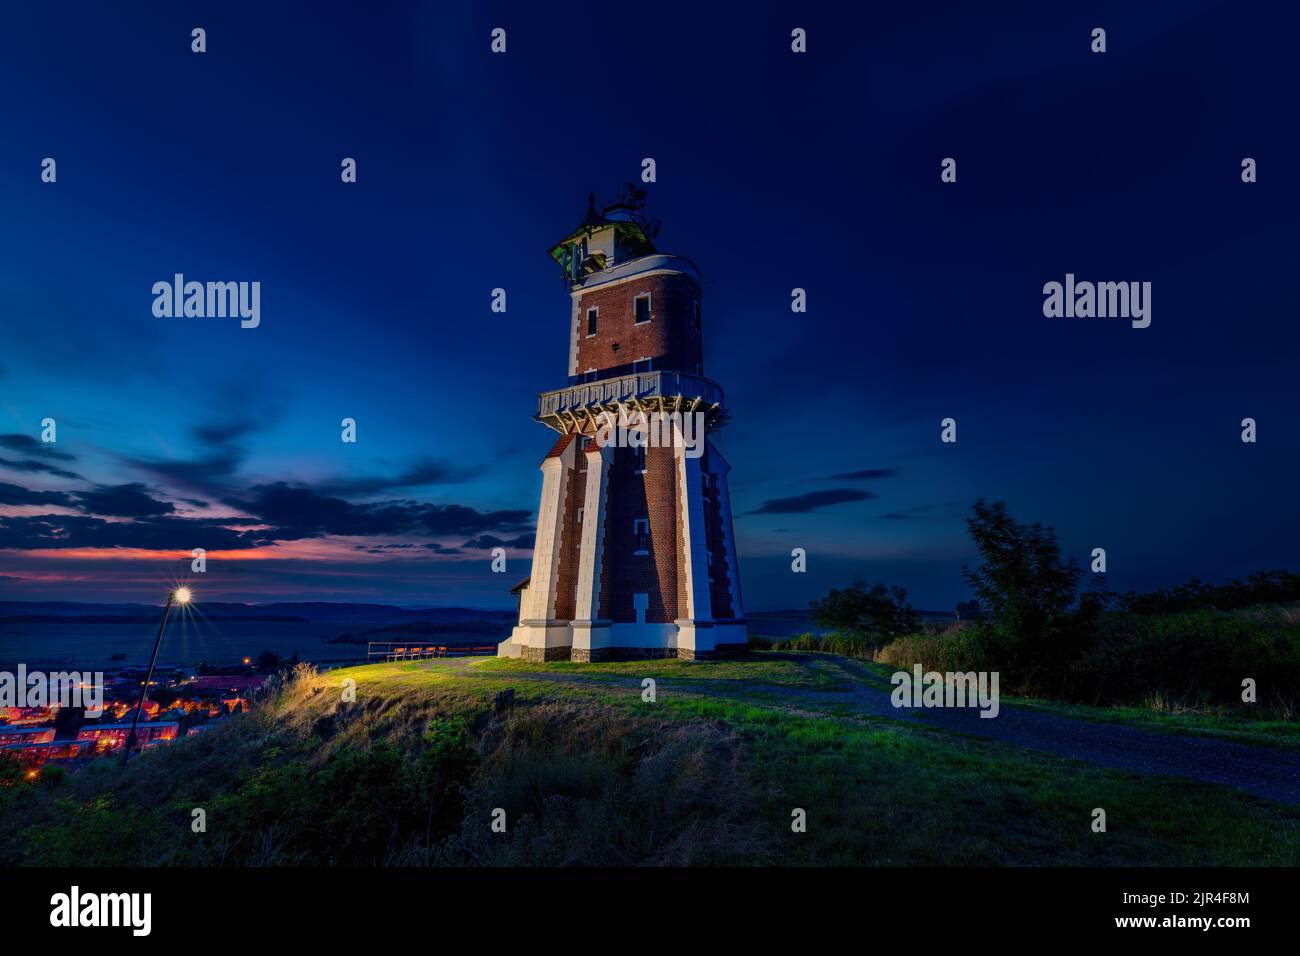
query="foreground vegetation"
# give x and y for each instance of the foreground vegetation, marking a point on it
(588, 772)
(413, 763)
(1215, 653)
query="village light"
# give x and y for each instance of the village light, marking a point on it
(182, 596)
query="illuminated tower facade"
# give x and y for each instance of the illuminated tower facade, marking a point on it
(635, 553)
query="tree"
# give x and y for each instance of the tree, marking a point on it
(1034, 619)
(877, 613)
(1023, 582)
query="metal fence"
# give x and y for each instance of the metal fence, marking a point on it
(380, 651)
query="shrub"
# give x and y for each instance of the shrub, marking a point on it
(1195, 658)
(872, 614)
(845, 644)
(1262, 587)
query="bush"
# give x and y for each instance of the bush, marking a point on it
(872, 615)
(834, 642)
(1199, 658)
(1262, 587)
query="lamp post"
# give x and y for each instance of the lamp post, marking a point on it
(179, 596)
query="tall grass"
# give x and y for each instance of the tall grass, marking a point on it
(1192, 660)
(401, 777)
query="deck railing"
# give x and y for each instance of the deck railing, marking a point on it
(381, 651)
(639, 385)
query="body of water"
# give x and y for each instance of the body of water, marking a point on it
(91, 645)
(82, 644)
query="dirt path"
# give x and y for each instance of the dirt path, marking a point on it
(1268, 772)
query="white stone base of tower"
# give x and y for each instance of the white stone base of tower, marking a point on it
(593, 641)
(542, 634)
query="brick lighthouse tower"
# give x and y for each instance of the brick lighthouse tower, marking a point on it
(635, 554)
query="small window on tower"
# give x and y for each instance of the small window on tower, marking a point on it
(697, 315)
(643, 365)
(589, 375)
(642, 305)
(638, 460)
(580, 510)
(641, 536)
(591, 322)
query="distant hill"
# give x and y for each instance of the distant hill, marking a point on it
(459, 632)
(318, 611)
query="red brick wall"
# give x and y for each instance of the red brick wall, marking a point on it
(660, 574)
(670, 337)
(631, 496)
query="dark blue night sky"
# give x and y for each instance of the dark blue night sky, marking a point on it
(775, 171)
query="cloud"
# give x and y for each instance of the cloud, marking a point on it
(271, 513)
(300, 512)
(122, 501)
(221, 456)
(205, 472)
(909, 514)
(425, 471)
(459, 519)
(219, 434)
(38, 466)
(155, 534)
(117, 501)
(864, 474)
(486, 542)
(28, 445)
(813, 500)
(16, 495)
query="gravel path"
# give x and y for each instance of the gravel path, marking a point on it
(1269, 772)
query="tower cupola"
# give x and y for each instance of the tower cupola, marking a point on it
(615, 233)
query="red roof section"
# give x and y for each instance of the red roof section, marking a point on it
(561, 445)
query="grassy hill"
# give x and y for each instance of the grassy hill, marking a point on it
(587, 772)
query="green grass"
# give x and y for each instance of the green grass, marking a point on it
(588, 772)
(1220, 723)
(764, 668)
(1224, 726)
(879, 793)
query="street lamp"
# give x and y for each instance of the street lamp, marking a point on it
(179, 596)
